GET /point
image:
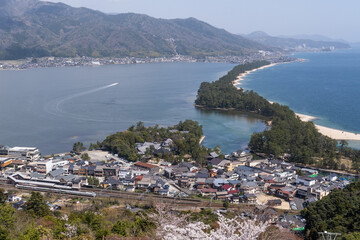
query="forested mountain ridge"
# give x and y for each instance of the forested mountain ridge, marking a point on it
(32, 28)
(296, 44)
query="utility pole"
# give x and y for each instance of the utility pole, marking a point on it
(328, 235)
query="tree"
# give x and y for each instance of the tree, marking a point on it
(85, 156)
(78, 147)
(3, 196)
(172, 226)
(226, 204)
(93, 181)
(37, 206)
(4, 233)
(343, 143)
(7, 215)
(122, 228)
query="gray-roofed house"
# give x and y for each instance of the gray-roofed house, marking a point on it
(56, 173)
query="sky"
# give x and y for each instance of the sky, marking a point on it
(331, 18)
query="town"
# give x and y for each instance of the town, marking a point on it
(236, 178)
(93, 61)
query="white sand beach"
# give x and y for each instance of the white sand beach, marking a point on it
(330, 132)
(241, 77)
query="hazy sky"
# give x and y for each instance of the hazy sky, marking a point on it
(332, 18)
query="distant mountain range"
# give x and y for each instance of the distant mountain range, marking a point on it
(32, 28)
(296, 43)
(315, 37)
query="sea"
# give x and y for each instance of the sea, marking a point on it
(326, 85)
(52, 108)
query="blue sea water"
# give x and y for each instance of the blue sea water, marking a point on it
(51, 108)
(327, 86)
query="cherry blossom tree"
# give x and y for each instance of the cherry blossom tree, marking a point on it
(172, 226)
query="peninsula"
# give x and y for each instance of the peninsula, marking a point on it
(327, 131)
(290, 134)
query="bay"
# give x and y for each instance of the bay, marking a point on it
(51, 108)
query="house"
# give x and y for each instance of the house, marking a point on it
(113, 183)
(146, 166)
(14, 198)
(332, 177)
(142, 147)
(253, 163)
(214, 162)
(249, 187)
(56, 173)
(189, 166)
(19, 205)
(287, 193)
(274, 202)
(167, 143)
(66, 179)
(250, 198)
(214, 155)
(110, 171)
(306, 181)
(208, 192)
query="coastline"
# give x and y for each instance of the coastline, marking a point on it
(330, 132)
(241, 77)
(326, 131)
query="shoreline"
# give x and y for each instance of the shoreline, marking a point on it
(326, 131)
(241, 77)
(330, 132)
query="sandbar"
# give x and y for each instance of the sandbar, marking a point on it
(241, 76)
(330, 132)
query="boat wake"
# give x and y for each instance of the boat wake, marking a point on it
(55, 108)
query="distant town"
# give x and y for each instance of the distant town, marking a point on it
(43, 62)
(237, 178)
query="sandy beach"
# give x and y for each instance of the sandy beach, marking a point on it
(330, 132)
(241, 77)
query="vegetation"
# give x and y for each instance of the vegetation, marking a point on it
(93, 181)
(78, 147)
(222, 93)
(37, 206)
(85, 156)
(288, 135)
(338, 212)
(185, 138)
(47, 29)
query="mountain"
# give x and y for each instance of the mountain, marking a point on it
(315, 37)
(294, 44)
(32, 28)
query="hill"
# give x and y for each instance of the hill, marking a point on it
(336, 213)
(32, 28)
(295, 44)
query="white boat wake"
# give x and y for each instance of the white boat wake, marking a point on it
(55, 108)
(61, 102)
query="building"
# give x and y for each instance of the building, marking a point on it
(146, 166)
(31, 153)
(306, 181)
(44, 166)
(4, 162)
